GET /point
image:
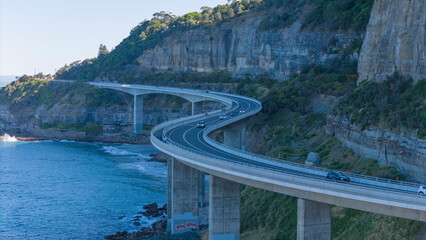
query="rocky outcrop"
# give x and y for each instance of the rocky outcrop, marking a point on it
(116, 122)
(407, 154)
(239, 47)
(395, 40)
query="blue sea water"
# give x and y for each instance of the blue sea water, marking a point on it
(70, 190)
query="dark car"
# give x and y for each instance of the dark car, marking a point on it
(233, 114)
(201, 124)
(337, 176)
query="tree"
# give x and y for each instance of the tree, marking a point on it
(163, 16)
(231, 13)
(207, 13)
(218, 16)
(103, 50)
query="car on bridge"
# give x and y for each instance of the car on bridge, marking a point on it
(201, 124)
(222, 117)
(337, 176)
(422, 190)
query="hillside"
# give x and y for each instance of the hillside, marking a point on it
(241, 38)
(298, 57)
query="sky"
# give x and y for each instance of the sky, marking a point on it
(44, 35)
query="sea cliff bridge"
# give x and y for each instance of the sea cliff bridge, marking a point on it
(193, 154)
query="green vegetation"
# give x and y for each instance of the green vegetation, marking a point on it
(281, 13)
(29, 92)
(89, 127)
(271, 216)
(321, 15)
(340, 15)
(394, 104)
(289, 130)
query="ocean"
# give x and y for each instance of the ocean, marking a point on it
(71, 190)
(4, 80)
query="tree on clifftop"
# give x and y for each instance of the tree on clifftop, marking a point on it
(103, 50)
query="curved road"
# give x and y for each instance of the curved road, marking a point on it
(192, 146)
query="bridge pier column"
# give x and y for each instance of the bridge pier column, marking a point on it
(138, 114)
(169, 193)
(224, 209)
(197, 108)
(201, 188)
(313, 220)
(184, 198)
(235, 135)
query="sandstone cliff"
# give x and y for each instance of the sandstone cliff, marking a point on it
(239, 47)
(407, 154)
(395, 40)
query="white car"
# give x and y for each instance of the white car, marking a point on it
(422, 190)
(222, 117)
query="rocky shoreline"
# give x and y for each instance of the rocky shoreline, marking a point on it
(156, 231)
(150, 211)
(71, 135)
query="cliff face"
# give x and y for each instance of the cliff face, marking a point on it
(407, 154)
(116, 122)
(395, 40)
(239, 47)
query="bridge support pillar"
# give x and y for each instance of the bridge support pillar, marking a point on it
(201, 188)
(313, 220)
(184, 198)
(197, 108)
(169, 193)
(224, 209)
(235, 135)
(138, 114)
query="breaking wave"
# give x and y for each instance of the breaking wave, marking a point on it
(7, 138)
(121, 152)
(146, 167)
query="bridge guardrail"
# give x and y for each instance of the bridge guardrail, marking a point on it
(342, 186)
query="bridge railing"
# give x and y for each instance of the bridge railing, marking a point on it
(357, 188)
(408, 186)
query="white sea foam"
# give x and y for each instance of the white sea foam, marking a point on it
(121, 152)
(7, 138)
(147, 167)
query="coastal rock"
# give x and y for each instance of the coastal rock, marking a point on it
(118, 236)
(312, 159)
(406, 153)
(395, 40)
(239, 47)
(137, 224)
(160, 226)
(151, 209)
(158, 157)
